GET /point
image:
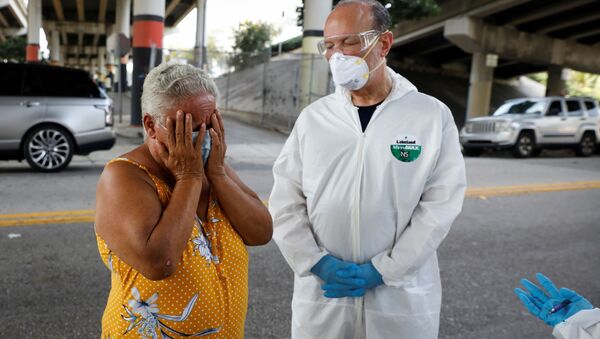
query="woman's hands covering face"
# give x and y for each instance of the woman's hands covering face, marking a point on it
(181, 155)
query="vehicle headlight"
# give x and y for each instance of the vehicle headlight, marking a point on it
(469, 127)
(506, 126)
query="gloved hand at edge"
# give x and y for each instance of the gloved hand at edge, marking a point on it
(540, 303)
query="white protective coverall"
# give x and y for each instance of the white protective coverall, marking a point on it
(388, 195)
(582, 325)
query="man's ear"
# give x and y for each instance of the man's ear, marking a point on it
(387, 39)
(149, 126)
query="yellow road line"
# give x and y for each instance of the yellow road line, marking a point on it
(42, 221)
(45, 214)
(87, 216)
(484, 192)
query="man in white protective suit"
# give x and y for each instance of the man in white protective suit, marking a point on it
(366, 188)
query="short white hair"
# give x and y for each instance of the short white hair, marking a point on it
(170, 83)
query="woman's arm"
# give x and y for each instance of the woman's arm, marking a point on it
(244, 209)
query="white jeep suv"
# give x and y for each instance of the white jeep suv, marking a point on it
(527, 125)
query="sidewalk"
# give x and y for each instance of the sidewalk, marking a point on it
(122, 120)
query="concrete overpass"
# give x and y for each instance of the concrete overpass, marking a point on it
(13, 18)
(476, 39)
(487, 39)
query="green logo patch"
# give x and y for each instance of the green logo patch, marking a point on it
(406, 149)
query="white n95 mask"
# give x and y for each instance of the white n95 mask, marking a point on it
(351, 72)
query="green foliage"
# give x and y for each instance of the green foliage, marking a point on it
(250, 39)
(13, 48)
(541, 77)
(578, 83)
(288, 45)
(399, 10)
(584, 84)
(411, 9)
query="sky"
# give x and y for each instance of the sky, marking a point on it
(221, 20)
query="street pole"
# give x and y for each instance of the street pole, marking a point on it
(120, 86)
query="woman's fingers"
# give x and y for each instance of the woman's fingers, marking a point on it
(200, 138)
(179, 129)
(220, 119)
(216, 142)
(188, 130)
(170, 134)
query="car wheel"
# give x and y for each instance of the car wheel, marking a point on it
(472, 152)
(586, 145)
(524, 146)
(48, 148)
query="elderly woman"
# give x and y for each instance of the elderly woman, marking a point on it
(172, 226)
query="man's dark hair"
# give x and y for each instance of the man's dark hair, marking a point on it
(381, 17)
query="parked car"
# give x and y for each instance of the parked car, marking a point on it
(528, 125)
(50, 113)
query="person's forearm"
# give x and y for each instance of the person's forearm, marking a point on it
(247, 214)
(170, 235)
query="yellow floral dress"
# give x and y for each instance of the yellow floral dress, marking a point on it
(206, 296)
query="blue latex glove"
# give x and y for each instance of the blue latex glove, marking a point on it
(342, 291)
(326, 269)
(366, 272)
(539, 303)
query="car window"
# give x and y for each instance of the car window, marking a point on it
(574, 108)
(12, 77)
(32, 85)
(555, 109)
(591, 108)
(69, 83)
(521, 107)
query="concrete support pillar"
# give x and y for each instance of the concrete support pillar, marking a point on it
(34, 23)
(55, 55)
(480, 88)
(148, 31)
(314, 71)
(110, 58)
(94, 66)
(102, 59)
(123, 25)
(63, 55)
(200, 48)
(556, 84)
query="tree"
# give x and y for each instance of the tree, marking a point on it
(584, 84)
(13, 48)
(399, 10)
(250, 39)
(578, 83)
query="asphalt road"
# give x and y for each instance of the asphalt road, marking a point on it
(53, 284)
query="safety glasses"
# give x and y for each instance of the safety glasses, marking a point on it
(348, 43)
